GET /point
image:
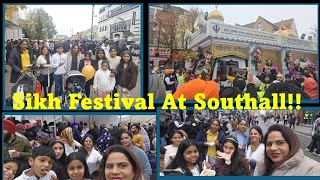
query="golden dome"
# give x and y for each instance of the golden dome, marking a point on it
(216, 15)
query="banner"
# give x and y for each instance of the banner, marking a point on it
(221, 50)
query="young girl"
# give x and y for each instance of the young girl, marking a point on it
(77, 167)
(176, 138)
(100, 57)
(187, 160)
(59, 164)
(230, 162)
(10, 168)
(103, 84)
(114, 60)
(127, 75)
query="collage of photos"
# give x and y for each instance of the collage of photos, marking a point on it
(84, 56)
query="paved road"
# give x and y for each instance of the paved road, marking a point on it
(304, 140)
(135, 91)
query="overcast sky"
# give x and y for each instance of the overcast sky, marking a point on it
(305, 16)
(68, 17)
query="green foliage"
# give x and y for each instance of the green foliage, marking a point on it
(38, 25)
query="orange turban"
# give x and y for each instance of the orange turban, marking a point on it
(190, 89)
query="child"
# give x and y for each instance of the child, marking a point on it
(103, 84)
(176, 138)
(77, 167)
(58, 63)
(230, 162)
(187, 160)
(41, 163)
(127, 75)
(10, 168)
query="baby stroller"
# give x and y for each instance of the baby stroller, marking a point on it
(26, 83)
(73, 83)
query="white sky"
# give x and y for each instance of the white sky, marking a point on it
(68, 17)
(305, 16)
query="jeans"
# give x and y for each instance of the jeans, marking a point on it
(58, 85)
(292, 124)
(313, 144)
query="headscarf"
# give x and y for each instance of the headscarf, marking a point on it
(9, 126)
(104, 140)
(311, 88)
(67, 136)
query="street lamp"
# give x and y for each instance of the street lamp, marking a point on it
(92, 20)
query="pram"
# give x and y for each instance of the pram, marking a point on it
(26, 83)
(73, 83)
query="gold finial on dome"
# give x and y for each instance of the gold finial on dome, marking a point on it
(216, 15)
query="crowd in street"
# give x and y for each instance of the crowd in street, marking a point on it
(302, 78)
(233, 145)
(112, 70)
(78, 151)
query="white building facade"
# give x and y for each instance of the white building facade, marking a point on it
(120, 23)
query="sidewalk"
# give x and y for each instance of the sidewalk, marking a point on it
(302, 128)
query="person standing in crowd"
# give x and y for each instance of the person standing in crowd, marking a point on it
(119, 161)
(171, 150)
(19, 58)
(104, 141)
(170, 81)
(87, 62)
(146, 140)
(44, 138)
(137, 139)
(104, 82)
(20, 130)
(242, 137)
(10, 168)
(311, 87)
(127, 141)
(292, 120)
(69, 143)
(285, 119)
(255, 148)
(284, 156)
(230, 162)
(41, 164)
(105, 46)
(15, 147)
(234, 123)
(58, 63)
(114, 61)
(101, 56)
(209, 141)
(187, 160)
(85, 129)
(73, 58)
(93, 156)
(127, 75)
(278, 119)
(59, 165)
(77, 167)
(44, 59)
(226, 127)
(315, 134)
(93, 132)
(76, 131)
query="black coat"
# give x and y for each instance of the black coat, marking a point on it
(16, 64)
(93, 63)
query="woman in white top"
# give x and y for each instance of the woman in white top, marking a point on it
(69, 143)
(93, 157)
(103, 84)
(255, 148)
(171, 150)
(114, 60)
(42, 60)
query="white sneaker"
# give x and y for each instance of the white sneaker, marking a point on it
(307, 149)
(316, 154)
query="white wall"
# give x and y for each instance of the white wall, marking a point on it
(14, 33)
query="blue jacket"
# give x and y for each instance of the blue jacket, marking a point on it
(202, 137)
(143, 158)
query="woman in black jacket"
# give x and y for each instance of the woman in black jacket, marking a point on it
(88, 61)
(20, 56)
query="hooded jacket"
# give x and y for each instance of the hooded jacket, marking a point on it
(297, 165)
(23, 176)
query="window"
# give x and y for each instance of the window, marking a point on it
(134, 18)
(260, 27)
(100, 29)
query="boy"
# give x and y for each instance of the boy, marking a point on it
(41, 164)
(58, 63)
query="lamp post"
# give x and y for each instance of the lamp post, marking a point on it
(92, 20)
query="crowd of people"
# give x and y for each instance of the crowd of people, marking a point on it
(302, 78)
(114, 69)
(195, 145)
(78, 151)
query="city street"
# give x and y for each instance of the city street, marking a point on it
(304, 139)
(135, 92)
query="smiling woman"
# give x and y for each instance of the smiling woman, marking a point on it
(284, 156)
